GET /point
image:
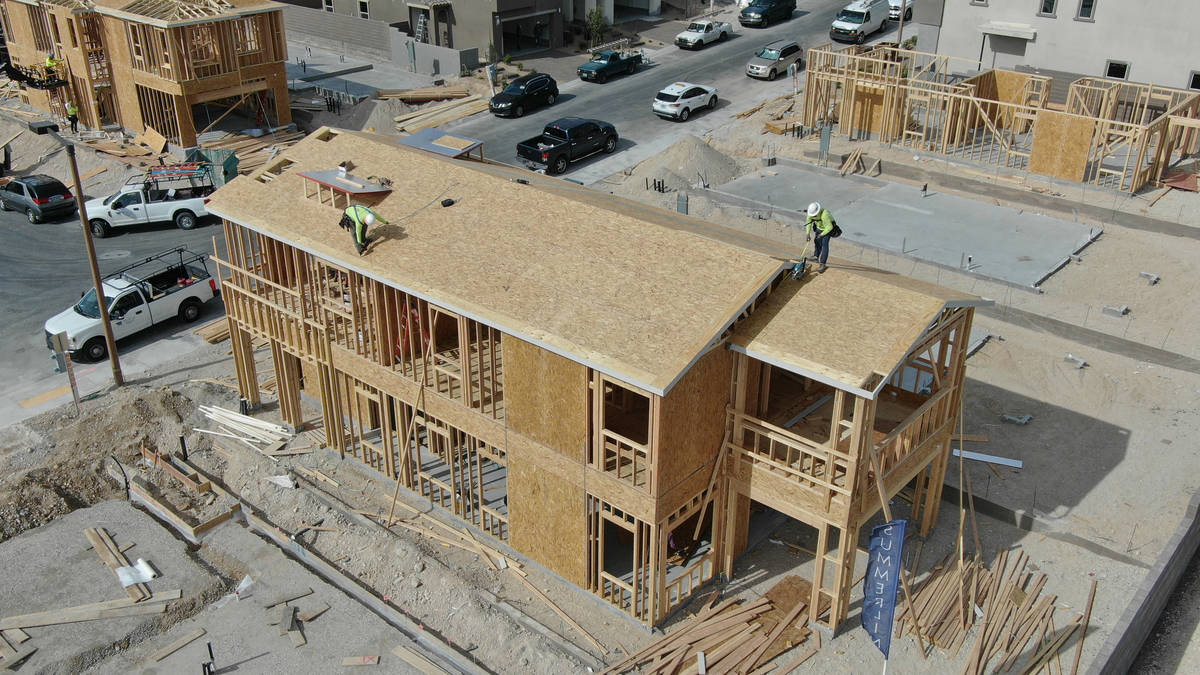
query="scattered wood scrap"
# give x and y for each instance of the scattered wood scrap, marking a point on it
(10, 657)
(1006, 601)
(175, 646)
(437, 115)
(425, 94)
(112, 556)
(417, 660)
(155, 604)
(853, 163)
(254, 151)
(372, 660)
(287, 597)
(732, 636)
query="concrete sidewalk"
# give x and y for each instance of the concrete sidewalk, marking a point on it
(305, 61)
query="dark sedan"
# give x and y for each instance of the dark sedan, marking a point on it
(525, 93)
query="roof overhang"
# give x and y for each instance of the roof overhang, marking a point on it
(1022, 31)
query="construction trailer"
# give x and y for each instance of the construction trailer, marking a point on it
(1109, 133)
(154, 64)
(605, 386)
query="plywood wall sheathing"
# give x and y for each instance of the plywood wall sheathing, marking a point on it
(546, 397)
(693, 419)
(547, 506)
(1061, 143)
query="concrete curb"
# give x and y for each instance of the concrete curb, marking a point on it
(1125, 641)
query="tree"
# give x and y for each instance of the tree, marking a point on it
(596, 25)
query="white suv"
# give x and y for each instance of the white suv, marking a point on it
(680, 99)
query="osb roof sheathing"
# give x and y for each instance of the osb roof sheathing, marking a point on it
(841, 326)
(598, 282)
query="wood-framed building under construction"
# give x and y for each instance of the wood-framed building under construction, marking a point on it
(1110, 133)
(142, 64)
(605, 386)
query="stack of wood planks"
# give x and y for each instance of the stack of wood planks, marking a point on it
(253, 152)
(425, 94)
(731, 636)
(262, 437)
(214, 331)
(1007, 602)
(440, 114)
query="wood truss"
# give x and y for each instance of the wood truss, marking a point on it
(1111, 134)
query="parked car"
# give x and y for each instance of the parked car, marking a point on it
(40, 197)
(894, 9)
(174, 283)
(180, 201)
(859, 19)
(681, 99)
(567, 140)
(762, 12)
(605, 64)
(524, 93)
(773, 60)
(700, 33)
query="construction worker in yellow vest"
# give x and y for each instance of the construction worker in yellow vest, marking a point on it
(73, 116)
(357, 219)
(820, 227)
(52, 64)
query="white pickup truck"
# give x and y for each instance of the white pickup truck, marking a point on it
(174, 283)
(150, 201)
(700, 33)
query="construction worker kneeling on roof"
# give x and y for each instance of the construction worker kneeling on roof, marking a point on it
(357, 219)
(820, 227)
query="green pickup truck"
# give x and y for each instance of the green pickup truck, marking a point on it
(607, 63)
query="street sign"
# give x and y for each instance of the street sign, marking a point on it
(62, 355)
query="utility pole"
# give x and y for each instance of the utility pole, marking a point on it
(904, 5)
(110, 341)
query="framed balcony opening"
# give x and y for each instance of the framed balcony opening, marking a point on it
(688, 560)
(622, 419)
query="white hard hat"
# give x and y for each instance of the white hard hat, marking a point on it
(813, 209)
(369, 219)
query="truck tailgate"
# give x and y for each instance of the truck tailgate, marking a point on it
(532, 149)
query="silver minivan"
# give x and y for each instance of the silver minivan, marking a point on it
(773, 60)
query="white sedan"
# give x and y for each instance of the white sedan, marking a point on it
(679, 100)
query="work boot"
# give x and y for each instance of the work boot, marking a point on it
(821, 268)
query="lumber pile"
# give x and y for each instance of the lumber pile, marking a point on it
(253, 152)
(262, 437)
(443, 113)
(853, 163)
(425, 94)
(731, 636)
(782, 125)
(1007, 603)
(214, 331)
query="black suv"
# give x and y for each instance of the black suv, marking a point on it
(762, 13)
(525, 93)
(40, 197)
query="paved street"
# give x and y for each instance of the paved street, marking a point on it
(44, 270)
(625, 101)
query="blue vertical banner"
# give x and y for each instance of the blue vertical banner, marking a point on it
(882, 580)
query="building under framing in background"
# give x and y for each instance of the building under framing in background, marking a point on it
(154, 63)
(601, 384)
(1110, 133)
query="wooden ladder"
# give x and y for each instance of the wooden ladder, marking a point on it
(836, 595)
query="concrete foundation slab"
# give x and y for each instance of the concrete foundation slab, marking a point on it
(1005, 244)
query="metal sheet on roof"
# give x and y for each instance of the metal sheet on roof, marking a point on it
(441, 143)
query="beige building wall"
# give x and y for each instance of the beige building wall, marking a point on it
(1155, 41)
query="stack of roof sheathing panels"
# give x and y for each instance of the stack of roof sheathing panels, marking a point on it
(440, 114)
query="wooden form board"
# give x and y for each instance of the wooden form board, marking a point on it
(579, 279)
(1061, 145)
(547, 517)
(838, 325)
(546, 397)
(693, 419)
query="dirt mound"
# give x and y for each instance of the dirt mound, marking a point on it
(53, 464)
(41, 153)
(688, 162)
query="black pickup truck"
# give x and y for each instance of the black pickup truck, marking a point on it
(567, 140)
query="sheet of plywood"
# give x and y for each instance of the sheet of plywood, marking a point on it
(693, 419)
(838, 325)
(1061, 142)
(579, 279)
(547, 514)
(546, 397)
